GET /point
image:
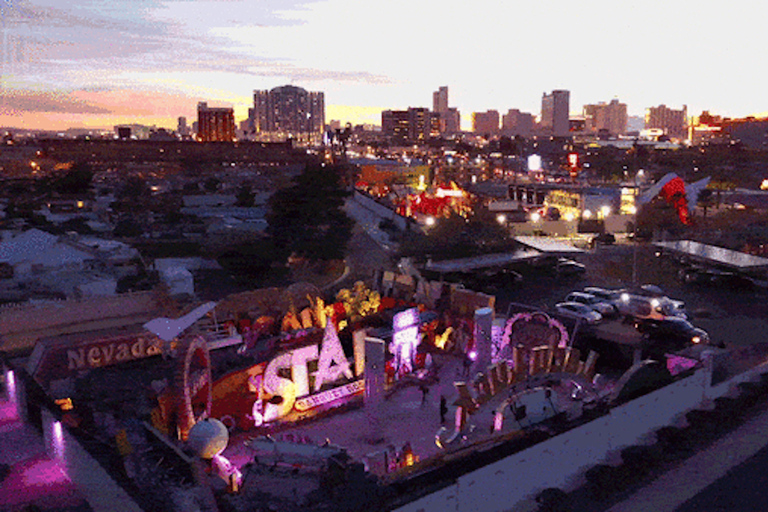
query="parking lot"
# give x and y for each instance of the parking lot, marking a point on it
(731, 316)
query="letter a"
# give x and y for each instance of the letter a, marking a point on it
(332, 362)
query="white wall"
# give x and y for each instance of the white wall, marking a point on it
(562, 460)
(90, 477)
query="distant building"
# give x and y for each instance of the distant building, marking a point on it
(486, 123)
(417, 124)
(635, 124)
(123, 132)
(288, 110)
(440, 100)
(215, 124)
(448, 119)
(555, 113)
(182, 128)
(610, 117)
(674, 123)
(516, 123)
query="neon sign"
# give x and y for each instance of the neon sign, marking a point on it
(332, 365)
(103, 354)
(405, 339)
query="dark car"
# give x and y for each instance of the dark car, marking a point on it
(566, 267)
(602, 239)
(717, 278)
(671, 334)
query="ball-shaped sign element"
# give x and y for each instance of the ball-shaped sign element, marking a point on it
(208, 438)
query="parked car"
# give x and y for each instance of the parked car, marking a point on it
(602, 239)
(578, 311)
(606, 295)
(594, 302)
(634, 303)
(673, 332)
(717, 278)
(566, 267)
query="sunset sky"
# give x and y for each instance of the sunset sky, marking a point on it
(96, 63)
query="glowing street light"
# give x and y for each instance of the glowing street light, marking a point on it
(587, 214)
(501, 218)
(429, 221)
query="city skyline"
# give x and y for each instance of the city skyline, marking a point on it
(97, 64)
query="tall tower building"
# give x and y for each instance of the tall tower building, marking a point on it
(673, 122)
(447, 119)
(289, 110)
(555, 113)
(440, 100)
(215, 124)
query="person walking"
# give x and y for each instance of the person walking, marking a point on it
(443, 409)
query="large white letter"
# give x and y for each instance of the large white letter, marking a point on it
(276, 385)
(332, 362)
(299, 358)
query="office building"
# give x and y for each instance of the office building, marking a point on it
(288, 110)
(448, 119)
(417, 124)
(608, 118)
(215, 124)
(486, 123)
(674, 123)
(515, 123)
(182, 128)
(440, 100)
(555, 113)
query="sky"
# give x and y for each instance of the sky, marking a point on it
(97, 63)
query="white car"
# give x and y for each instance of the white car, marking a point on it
(594, 302)
(578, 311)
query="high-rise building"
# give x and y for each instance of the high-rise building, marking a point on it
(607, 117)
(555, 113)
(673, 123)
(288, 110)
(440, 100)
(486, 123)
(215, 124)
(412, 125)
(516, 123)
(394, 124)
(182, 128)
(448, 119)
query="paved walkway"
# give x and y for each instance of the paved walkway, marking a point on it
(671, 490)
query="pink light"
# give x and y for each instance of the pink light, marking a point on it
(10, 378)
(58, 439)
(472, 355)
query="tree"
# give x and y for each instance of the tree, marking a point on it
(459, 237)
(307, 219)
(76, 181)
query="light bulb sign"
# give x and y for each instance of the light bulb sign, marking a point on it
(294, 382)
(405, 339)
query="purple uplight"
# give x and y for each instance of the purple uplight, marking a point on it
(58, 439)
(472, 355)
(10, 378)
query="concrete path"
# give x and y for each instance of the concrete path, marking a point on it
(692, 476)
